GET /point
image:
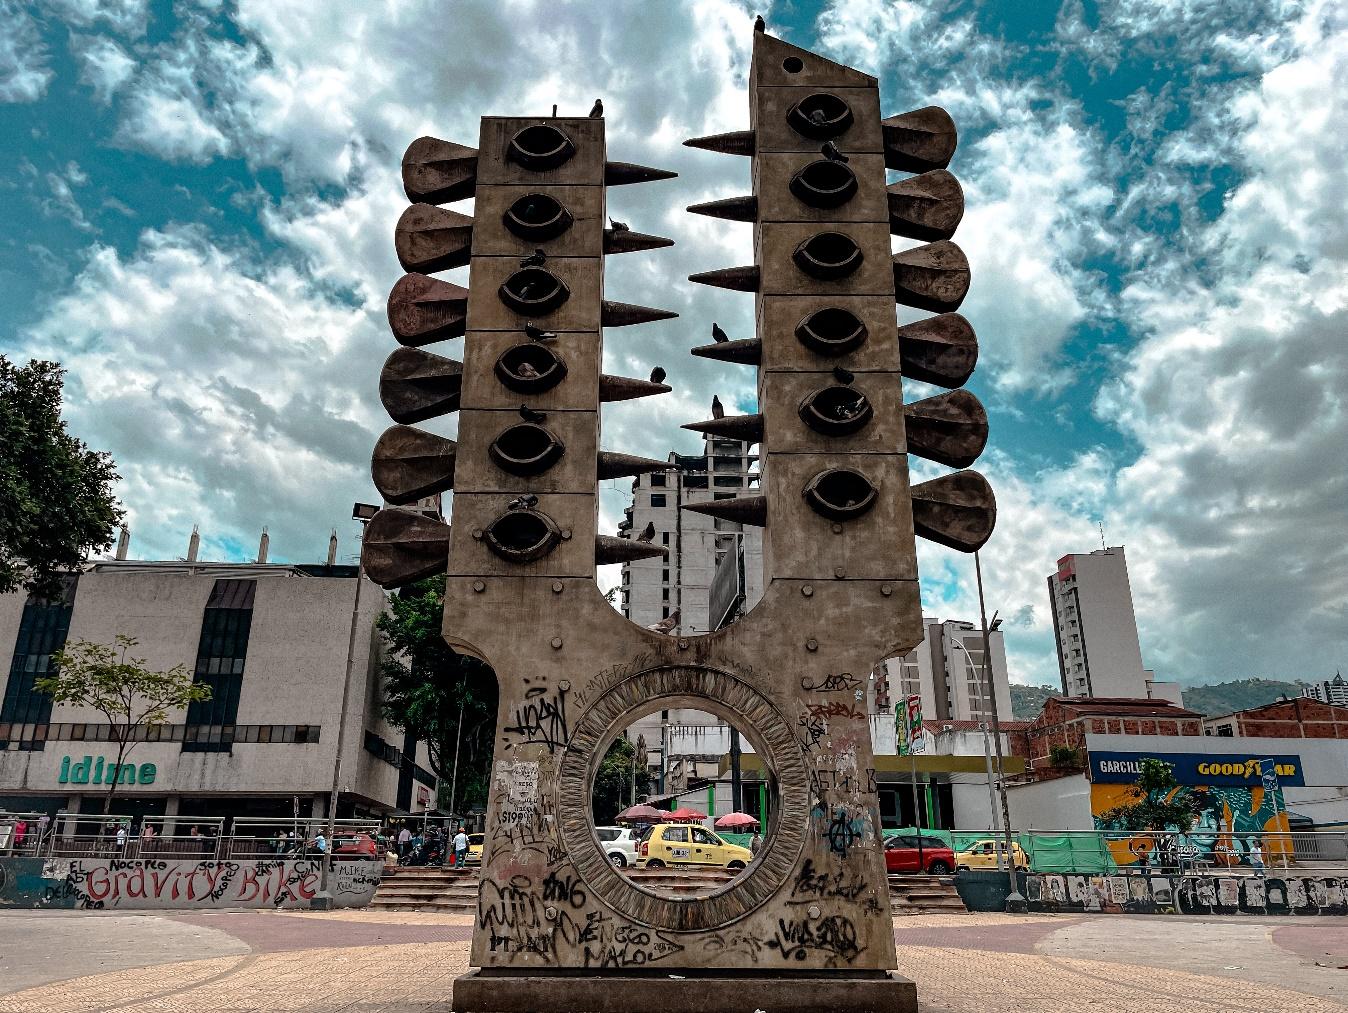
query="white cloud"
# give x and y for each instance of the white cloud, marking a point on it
(24, 70)
(127, 17)
(104, 65)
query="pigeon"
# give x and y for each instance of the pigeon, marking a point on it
(536, 333)
(529, 415)
(658, 375)
(667, 624)
(526, 371)
(535, 259)
(817, 117)
(718, 335)
(647, 533)
(830, 151)
(618, 226)
(597, 110)
(526, 502)
(759, 24)
(843, 375)
(717, 409)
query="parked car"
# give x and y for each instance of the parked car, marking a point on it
(902, 855)
(474, 856)
(354, 846)
(678, 844)
(620, 845)
(989, 854)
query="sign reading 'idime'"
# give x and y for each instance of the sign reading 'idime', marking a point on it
(1198, 768)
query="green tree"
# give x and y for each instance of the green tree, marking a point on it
(1154, 806)
(612, 790)
(442, 697)
(56, 502)
(121, 688)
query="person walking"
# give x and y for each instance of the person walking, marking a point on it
(404, 843)
(121, 838)
(460, 849)
(755, 842)
(1256, 858)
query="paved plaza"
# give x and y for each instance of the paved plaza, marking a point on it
(406, 962)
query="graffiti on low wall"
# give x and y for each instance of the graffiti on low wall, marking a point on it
(105, 883)
(1141, 894)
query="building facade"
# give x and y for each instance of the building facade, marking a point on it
(946, 671)
(1300, 718)
(270, 640)
(1332, 691)
(1066, 721)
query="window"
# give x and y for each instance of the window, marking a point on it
(664, 576)
(225, 627)
(676, 835)
(664, 538)
(701, 836)
(732, 481)
(42, 632)
(657, 499)
(658, 479)
(664, 594)
(723, 495)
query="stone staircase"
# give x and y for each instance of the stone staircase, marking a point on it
(428, 888)
(924, 895)
(681, 882)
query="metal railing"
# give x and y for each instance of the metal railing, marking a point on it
(1199, 852)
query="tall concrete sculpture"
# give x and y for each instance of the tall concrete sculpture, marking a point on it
(807, 925)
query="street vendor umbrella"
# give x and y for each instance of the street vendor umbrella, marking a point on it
(732, 821)
(686, 815)
(642, 814)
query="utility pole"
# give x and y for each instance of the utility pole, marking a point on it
(454, 777)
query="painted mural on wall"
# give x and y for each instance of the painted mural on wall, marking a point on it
(1141, 894)
(131, 884)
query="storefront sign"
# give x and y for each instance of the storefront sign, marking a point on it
(104, 771)
(1225, 769)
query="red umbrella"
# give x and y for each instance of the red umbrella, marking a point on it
(685, 815)
(642, 814)
(732, 820)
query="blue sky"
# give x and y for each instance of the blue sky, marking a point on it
(199, 198)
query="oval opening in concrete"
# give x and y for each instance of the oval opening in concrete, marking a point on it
(531, 292)
(828, 256)
(824, 184)
(538, 217)
(840, 494)
(540, 147)
(820, 116)
(530, 368)
(526, 449)
(836, 410)
(831, 331)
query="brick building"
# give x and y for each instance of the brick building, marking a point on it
(1297, 718)
(1066, 721)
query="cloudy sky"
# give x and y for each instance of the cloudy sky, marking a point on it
(198, 200)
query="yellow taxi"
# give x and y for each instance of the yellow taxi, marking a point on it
(474, 856)
(990, 854)
(679, 844)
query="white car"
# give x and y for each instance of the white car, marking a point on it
(620, 844)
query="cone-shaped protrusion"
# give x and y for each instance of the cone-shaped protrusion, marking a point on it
(437, 172)
(745, 351)
(430, 239)
(743, 510)
(615, 465)
(738, 279)
(942, 350)
(919, 141)
(732, 209)
(632, 242)
(626, 388)
(748, 428)
(410, 464)
(403, 546)
(950, 428)
(608, 549)
(625, 314)
(621, 173)
(737, 142)
(929, 206)
(958, 511)
(415, 385)
(933, 277)
(422, 309)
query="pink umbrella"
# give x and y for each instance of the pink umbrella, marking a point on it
(685, 815)
(732, 820)
(642, 814)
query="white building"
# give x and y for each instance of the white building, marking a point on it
(946, 671)
(1096, 629)
(1333, 690)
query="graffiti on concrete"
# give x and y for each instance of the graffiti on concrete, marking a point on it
(1143, 894)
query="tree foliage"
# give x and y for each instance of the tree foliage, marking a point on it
(56, 502)
(121, 688)
(436, 693)
(612, 790)
(1155, 805)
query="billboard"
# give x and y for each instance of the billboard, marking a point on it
(1218, 769)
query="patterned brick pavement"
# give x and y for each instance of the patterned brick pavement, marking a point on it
(393, 962)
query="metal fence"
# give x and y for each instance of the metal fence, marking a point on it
(1199, 852)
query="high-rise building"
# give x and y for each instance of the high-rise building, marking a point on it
(1333, 691)
(946, 671)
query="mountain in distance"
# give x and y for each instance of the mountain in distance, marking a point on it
(1211, 700)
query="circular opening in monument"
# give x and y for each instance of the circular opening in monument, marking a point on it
(836, 411)
(831, 331)
(824, 184)
(828, 255)
(540, 147)
(533, 291)
(665, 814)
(820, 116)
(526, 449)
(530, 368)
(840, 494)
(522, 536)
(793, 65)
(537, 216)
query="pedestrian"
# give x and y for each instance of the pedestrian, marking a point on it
(320, 843)
(121, 838)
(404, 843)
(460, 849)
(1256, 858)
(755, 842)
(1142, 851)
(20, 833)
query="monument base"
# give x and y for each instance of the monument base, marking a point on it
(705, 991)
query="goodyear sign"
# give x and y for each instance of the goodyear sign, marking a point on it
(1238, 769)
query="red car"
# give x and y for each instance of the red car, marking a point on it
(901, 855)
(357, 846)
